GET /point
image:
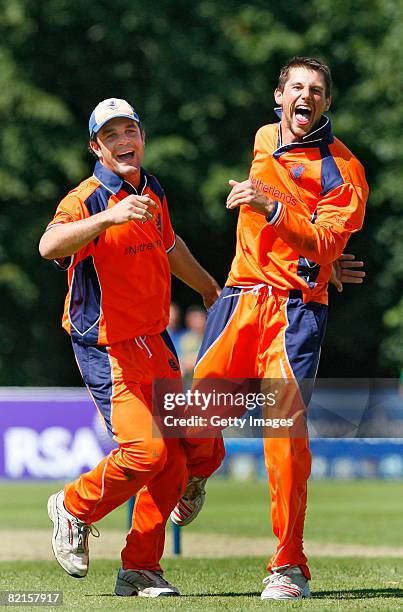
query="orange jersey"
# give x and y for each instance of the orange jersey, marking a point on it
(320, 192)
(120, 283)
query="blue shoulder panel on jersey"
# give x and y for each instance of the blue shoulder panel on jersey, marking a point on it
(330, 175)
(155, 186)
(97, 201)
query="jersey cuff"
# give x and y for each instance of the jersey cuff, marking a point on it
(275, 213)
(64, 263)
(51, 224)
(172, 247)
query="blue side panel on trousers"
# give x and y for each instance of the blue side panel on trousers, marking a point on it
(97, 375)
(303, 338)
(85, 302)
(218, 316)
(168, 341)
(173, 363)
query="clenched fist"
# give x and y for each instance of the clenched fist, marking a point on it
(247, 193)
(133, 207)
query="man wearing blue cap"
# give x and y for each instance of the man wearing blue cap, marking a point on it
(114, 237)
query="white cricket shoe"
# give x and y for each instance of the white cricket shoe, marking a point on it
(144, 583)
(191, 502)
(70, 537)
(288, 583)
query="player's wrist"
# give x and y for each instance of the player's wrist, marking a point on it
(210, 288)
(269, 207)
(106, 218)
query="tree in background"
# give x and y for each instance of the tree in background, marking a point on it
(201, 75)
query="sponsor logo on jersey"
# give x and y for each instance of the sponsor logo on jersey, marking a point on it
(142, 247)
(297, 170)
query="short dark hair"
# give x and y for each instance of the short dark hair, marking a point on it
(93, 138)
(311, 64)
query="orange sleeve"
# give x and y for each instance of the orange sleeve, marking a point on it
(339, 214)
(168, 234)
(71, 208)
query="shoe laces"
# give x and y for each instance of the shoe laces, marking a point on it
(157, 578)
(194, 489)
(83, 531)
(150, 578)
(277, 578)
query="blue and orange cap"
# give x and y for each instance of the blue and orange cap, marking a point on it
(109, 109)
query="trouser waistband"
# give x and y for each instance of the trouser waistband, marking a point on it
(255, 289)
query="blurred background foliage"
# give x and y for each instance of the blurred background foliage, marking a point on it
(201, 74)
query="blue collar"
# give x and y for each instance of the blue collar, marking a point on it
(114, 183)
(322, 132)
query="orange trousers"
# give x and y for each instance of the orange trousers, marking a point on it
(119, 378)
(266, 334)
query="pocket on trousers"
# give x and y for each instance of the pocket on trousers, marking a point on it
(316, 315)
(212, 307)
(82, 358)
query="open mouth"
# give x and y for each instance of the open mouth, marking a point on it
(303, 114)
(126, 157)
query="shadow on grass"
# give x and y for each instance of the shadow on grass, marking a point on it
(347, 594)
(358, 594)
(250, 594)
(243, 594)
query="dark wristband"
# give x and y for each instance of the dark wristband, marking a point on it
(269, 217)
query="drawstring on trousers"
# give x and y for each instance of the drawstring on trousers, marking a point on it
(141, 343)
(267, 291)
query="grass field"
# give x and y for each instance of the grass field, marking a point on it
(351, 514)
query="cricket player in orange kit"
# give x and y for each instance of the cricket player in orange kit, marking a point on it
(114, 237)
(305, 196)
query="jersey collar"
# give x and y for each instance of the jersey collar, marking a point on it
(114, 183)
(321, 133)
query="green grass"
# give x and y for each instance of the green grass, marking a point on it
(359, 512)
(24, 505)
(352, 512)
(229, 584)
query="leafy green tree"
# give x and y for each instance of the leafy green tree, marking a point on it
(201, 75)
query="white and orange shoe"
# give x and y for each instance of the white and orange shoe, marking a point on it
(70, 537)
(191, 502)
(287, 583)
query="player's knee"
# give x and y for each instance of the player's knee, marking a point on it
(156, 454)
(147, 456)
